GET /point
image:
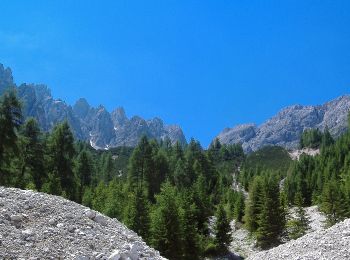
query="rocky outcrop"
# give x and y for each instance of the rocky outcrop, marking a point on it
(332, 243)
(285, 128)
(6, 79)
(94, 125)
(40, 226)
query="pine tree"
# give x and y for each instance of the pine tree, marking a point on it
(254, 204)
(84, 171)
(222, 230)
(332, 202)
(32, 153)
(137, 214)
(166, 233)
(108, 168)
(10, 121)
(190, 236)
(239, 207)
(270, 219)
(141, 166)
(299, 225)
(62, 152)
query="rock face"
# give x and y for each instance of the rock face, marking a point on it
(95, 125)
(285, 128)
(40, 226)
(332, 243)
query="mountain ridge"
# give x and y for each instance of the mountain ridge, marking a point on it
(95, 125)
(285, 128)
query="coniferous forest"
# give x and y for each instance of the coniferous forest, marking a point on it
(168, 192)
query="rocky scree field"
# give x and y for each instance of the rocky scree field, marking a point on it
(35, 225)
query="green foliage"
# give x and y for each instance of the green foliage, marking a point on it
(10, 121)
(333, 203)
(271, 218)
(166, 225)
(166, 193)
(311, 138)
(222, 230)
(254, 205)
(273, 158)
(298, 226)
(61, 152)
(137, 213)
(239, 207)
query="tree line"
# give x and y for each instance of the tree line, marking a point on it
(165, 192)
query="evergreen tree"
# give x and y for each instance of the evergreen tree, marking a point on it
(166, 233)
(190, 235)
(84, 171)
(299, 225)
(62, 152)
(254, 204)
(108, 168)
(137, 214)
(222, 230)
(10, 121)
(32, 153)
(141, 166)
(270, 219)
(332, 202)
(239, 207)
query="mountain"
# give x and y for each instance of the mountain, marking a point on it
(285, 128)
(95, 125)
(36, 225)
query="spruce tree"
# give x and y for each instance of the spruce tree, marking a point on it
(137, 214)
(32, 153)
(239, 207)
(62, 152)
(332, 202)
(190, 235)
(166, 233)
(222, 230)
(10, 121)
(84, 171)
(298, 226)
(254, 204)
(270, 220)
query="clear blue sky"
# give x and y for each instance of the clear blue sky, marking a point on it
(204, 65)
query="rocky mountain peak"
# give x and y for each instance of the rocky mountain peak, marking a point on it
(94, 125)
(119, 116)
(6, 78)
(285, 128)
(81, 108)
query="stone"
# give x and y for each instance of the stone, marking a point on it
(90, 214)
(16, 218)
(115, 255)
(100, 219)
(285, 128)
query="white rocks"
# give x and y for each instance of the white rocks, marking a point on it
(16, 218)
(52, 221)
(100, 219)
(64, 230)
(90, 214)
(332, 243)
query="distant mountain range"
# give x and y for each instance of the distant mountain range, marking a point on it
(285, 128)
(104, 130)
(95, 125)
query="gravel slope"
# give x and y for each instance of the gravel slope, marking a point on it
(331, 243)
(40, 226)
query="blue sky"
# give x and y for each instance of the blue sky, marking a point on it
(204, 65)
